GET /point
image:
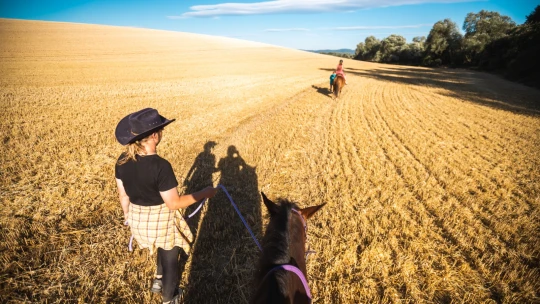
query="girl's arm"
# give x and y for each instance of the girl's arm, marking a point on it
(174, 201)
(124, 198)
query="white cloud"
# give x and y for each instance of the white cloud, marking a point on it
(288, 30)
(297, 6)
(377, 27)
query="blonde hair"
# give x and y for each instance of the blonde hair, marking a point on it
(132, 150)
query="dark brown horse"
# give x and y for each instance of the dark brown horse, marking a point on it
(284, 244)
(339, 82)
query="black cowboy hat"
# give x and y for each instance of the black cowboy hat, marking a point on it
(138, 125)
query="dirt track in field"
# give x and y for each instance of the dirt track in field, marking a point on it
(431, 175)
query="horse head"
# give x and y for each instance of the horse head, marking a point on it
(282, 266)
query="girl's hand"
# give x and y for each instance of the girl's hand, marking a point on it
(209, 192)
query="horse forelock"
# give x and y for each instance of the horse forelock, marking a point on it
(276, 239)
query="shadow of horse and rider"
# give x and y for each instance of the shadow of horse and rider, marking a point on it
(223, 253)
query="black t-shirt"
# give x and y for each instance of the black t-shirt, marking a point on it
(145, 178)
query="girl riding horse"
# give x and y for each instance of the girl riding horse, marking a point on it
(340, 72)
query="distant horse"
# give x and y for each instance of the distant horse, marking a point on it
(282, 265)
(339, 82)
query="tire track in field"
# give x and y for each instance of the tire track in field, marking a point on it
(350, 134)
(418, 218)
(348, 151)
(447, 124)
(488, 160)
(421, 131)
(466, 114)
(411, 285)
(395, 144)
(485, 118)
(519, 237)
(399, 142)
(478, 250)
(342, 151)
(488, 216)
(411, 217)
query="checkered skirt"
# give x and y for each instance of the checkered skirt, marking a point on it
(159, 227)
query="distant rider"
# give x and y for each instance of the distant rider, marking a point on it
(340, 72)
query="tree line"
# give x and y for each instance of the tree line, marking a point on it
(492, 42)
(342, 55)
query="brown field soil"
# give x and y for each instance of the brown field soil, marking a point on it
(431, 176)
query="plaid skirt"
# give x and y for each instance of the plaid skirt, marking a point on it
(159, 227)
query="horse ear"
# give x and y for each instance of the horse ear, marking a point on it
(272, 208)
(309, 211)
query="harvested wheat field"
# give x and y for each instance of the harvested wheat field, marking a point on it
(431, 176)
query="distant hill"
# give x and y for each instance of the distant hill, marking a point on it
(342, 51)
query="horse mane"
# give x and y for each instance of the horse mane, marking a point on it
(276, 240)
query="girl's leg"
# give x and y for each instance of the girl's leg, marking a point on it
(168, 261)
(156, 283)
(159, 268)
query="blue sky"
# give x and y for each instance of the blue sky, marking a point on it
(300, 24)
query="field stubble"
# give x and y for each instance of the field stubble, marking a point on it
(431, 176)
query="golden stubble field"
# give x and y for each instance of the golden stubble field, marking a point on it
(432, 176)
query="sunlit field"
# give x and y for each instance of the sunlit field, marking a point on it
(431, 176)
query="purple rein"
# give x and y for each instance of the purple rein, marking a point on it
(237, 211)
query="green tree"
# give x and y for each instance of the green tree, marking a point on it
(414, 51)
(360, 49)
(487, 22)
(372, 45)
(534, 17)
(521, 59)
(443, 44)
(481, 29)
(419, 39)
(391, 48)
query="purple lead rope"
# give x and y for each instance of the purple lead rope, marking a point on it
(241, 217)
(198, 208)
(237, 211)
